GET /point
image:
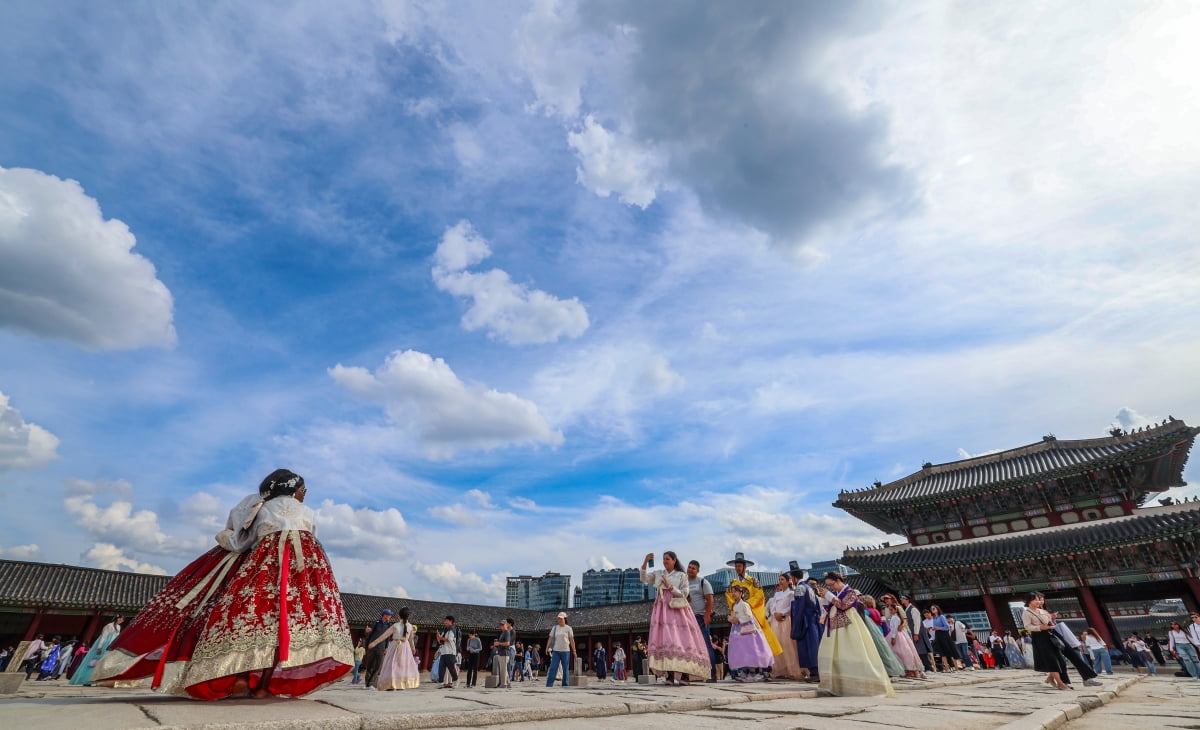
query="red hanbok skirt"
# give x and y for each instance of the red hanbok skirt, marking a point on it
(156, 646)
(281, 610)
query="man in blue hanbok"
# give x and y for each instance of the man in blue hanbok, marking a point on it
(806, 616)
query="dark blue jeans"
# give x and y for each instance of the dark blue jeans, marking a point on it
(559, 659)
(712, 655)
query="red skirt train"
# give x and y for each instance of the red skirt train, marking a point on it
(157, 644)
(281, 610)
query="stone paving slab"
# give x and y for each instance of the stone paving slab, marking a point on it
(931, 705)
(1155, 702)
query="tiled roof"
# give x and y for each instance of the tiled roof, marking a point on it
(1043, 460)
(68, 586)
(1151, 523)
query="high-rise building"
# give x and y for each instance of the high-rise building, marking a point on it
(549, 592)
(720, 579)
(614, 585)
(821, 567)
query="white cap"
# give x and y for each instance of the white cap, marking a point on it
(562, 614)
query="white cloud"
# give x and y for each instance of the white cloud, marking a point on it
(605, 385)
(424, 398)
(205, 511)
(611, 162)
(510, 312)
(66, 273)
(601, 563)
(119, 526)
(465, 587)
(362, 533)
(21, 552)
(522, 503)
(1129, 419)
(457, 514)
(110, 557)
(480, 498)
(23, 445)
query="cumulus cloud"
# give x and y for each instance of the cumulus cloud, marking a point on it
(458, 514)
(118, 525)
(465, 587)
(426, 399)
(110, 557)
(21, 552)
(362, 533)
(1129, 419)
(23, 445)
(66, 273)
(748, 126)
(609, 162)
(510, 312)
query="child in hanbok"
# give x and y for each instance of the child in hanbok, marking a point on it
(748, 647)
(900, 640)
(399, 670)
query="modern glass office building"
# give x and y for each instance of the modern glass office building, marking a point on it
(549, 592)
(615, 585)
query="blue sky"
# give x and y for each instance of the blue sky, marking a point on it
(546, 286)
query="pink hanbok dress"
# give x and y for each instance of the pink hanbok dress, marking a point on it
(399, 670)
(903, 647)
(676, 644)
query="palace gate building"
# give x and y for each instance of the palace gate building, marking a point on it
(1067, 518)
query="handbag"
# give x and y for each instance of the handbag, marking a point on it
(678, 602)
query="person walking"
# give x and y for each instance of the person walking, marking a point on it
(943, 636)
(700, 597)
(471, 655)
(49, 660)
(676, 646)
(850, 664)
(1180, 644)
(33, 654)
(1097, 648)
(1046, 655)
(398, 668)
(600, 661)
(448, 640)
(109, 634)
(535, 661)
(961, 645)
(360, 650)
(901, 643)
(560, 645)
(1070, 650)
(378, 637)
(916, 627)
(618, 671)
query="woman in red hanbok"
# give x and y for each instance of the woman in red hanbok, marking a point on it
(268, 621)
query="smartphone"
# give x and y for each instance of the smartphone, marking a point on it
(650, 563)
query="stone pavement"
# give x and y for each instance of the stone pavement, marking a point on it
(978, 700)
(1157, 702)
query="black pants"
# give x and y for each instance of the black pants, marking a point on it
(372, 663)
(445, 664)
(1085, 668)
(472, 668)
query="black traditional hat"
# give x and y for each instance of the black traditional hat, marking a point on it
(796, 571)
(739, 558)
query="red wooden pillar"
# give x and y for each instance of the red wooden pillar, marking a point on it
(93, 626)
(33, 627)
(1193, 585)
(993, 615)
(1094, 614)
(426, 653)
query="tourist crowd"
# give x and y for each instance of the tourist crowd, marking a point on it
(260, 614)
